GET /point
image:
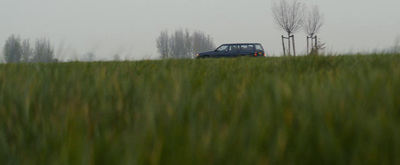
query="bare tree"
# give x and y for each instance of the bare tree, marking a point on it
(201, 42)
(117, 57)
(187, 46)
(43, 51)
(183, 44)
(288, 16)
(26, 51)
(396, 47)
(12, 49)
(313, 21)
(177, 44)
(311, 26)
(163, 44)
(89, 57)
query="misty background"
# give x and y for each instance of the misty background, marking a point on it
(130, 28)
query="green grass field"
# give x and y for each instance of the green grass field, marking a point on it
(286, 110)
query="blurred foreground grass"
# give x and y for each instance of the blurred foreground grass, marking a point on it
(303, 110)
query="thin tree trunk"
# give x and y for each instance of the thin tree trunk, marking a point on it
(312, 42)
(307, 45)
(283, 45)
(289, 44)
(294, 47)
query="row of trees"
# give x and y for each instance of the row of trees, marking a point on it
(291, 16)
(16, 50)
(183, 44)
(90, 57)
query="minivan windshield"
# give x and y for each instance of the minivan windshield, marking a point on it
(222, 48)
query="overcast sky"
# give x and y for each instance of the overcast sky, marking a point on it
(130, 27)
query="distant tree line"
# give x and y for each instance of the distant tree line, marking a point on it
(16, 50)
(183, 44)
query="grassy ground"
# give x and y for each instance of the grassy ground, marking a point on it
(303, 110)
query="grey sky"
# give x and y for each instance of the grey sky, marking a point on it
(130, 27)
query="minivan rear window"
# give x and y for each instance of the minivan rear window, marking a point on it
(259, 48)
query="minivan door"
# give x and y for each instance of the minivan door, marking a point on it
(221, 51)
(246, 49)
(233, 51)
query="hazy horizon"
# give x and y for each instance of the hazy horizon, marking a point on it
(130, 28)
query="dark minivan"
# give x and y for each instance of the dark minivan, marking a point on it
(235, 50)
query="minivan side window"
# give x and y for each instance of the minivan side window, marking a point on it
(246, 47)
(234, 48)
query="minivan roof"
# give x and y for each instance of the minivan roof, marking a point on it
(242, 44)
